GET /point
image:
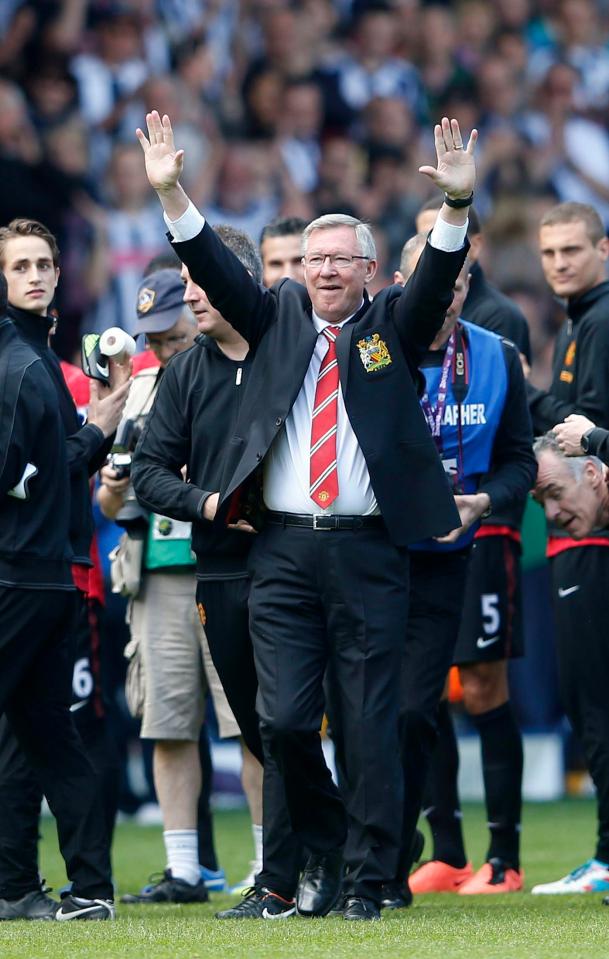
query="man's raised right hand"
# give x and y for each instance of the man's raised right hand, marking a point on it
(163, 162)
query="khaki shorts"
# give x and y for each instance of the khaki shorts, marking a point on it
(177, 664)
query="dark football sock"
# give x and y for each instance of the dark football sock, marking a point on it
(442, 807)
(502, 761)
(205, 825)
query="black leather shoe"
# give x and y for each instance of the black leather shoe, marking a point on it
(395, 895)
(320, 885)
(358, 908)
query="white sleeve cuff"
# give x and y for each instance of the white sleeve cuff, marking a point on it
(187, 226)
(446, 236)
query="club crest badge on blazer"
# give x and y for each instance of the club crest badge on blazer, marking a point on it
(373, 353)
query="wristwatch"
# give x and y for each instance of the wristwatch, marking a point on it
(460, 202)
(585, 441)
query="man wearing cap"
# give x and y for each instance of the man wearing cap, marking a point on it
(177, 667)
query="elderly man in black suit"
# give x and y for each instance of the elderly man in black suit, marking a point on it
(331, 424)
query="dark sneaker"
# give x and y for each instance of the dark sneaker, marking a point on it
(34, 905)
(73, 907)
(168, 889)
(260, 904)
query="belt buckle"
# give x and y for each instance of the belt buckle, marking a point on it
(321, 529)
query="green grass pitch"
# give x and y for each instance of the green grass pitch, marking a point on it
(556, 837)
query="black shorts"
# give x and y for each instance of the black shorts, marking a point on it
(491, 623)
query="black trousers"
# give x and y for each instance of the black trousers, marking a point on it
(579, 586)
(437, 591)
(321, 597)
(36, 659)
(21, 798)
(225, 603)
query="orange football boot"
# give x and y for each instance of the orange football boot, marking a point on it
(493, 877)
(437, 876)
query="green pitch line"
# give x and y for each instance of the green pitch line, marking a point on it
(556, 837)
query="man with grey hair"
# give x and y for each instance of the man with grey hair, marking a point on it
(572, 490)
(331, 425)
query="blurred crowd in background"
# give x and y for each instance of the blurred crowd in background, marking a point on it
(297, 108)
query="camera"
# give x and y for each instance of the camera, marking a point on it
(131, 515)
(121, 454)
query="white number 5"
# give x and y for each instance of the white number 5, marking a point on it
(490, 613)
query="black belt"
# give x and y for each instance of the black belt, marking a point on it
(321, 522)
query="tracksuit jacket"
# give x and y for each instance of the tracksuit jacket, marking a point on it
(34, 546)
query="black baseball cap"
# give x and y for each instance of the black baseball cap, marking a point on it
(159, 302)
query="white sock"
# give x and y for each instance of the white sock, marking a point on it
(182, 849)
(257, 834)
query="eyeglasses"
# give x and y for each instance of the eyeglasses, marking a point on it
(340, 261)
(169, 341)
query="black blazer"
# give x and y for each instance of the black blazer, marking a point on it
(382, 402)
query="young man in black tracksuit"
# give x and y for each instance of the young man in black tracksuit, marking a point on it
(198, 399)
(574, 253)
(28, 257)
(37, 606)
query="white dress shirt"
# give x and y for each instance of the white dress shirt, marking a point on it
(286, 465)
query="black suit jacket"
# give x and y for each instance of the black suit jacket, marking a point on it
(382, 403)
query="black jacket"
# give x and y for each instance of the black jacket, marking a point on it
(580, 379)
(487, 306)
(383, 406)
(194, 412)
(86, 447)
(34, 547)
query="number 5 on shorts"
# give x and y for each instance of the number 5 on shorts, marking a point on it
(490, 613)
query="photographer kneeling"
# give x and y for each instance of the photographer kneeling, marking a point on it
(165, 626)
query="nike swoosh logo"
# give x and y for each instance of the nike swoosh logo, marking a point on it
(567, 592)
(79, 705)
(95, 904)
(483, 643)
(277, 915)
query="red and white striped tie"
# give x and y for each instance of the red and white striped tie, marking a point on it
(323, 470)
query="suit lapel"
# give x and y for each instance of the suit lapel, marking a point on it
(305, 344)
(343, 343)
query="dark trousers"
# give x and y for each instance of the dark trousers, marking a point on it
(341, 598)
(21, 797)
(36, 659)
(582, 645)
(437, 590)
(227, 628)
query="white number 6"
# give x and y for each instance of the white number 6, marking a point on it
(82, 680)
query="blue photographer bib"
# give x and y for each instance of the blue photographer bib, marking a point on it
(466, 424)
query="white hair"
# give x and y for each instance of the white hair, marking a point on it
(329, 221)
(548, 443)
